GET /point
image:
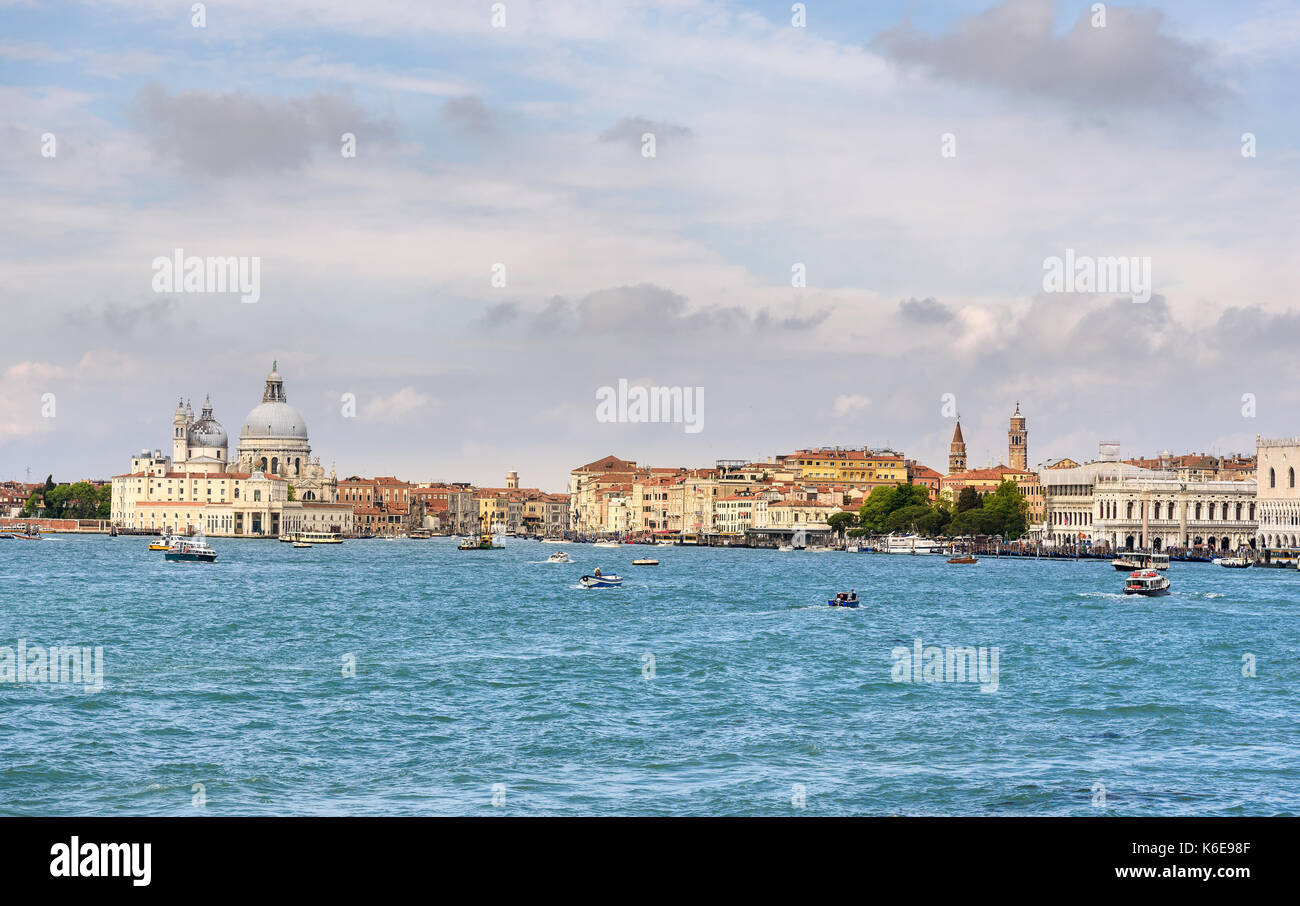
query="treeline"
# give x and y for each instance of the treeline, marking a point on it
(81, 500)
(907, 508)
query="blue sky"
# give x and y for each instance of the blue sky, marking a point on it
(518, 145)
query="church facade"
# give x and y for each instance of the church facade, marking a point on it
(271, 486)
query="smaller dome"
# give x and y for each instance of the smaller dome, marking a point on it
(207, 432)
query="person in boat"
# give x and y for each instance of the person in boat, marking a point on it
(853, 595)
(597, 572)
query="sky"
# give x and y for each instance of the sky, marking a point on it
(500, 247)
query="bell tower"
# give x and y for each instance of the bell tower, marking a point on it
(180, 429)
(1018, 442)
(957, 451)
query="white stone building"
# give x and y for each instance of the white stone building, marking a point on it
(1157, 514)
(198, 486)
(1278, 459)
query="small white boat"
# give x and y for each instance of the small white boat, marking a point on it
(645, 561)
(1231, 562)
(600, 581)
(608, 544)
(663, 544)
(559, 557)
(911, 544)
(1146, 582)
(302, 544)
(786, 547)
(554, 541)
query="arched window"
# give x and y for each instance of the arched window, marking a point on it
(275, 464)
(257, 495)
(1291, 476)
(1272, 478)
(236, 493)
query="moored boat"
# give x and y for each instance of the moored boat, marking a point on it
(1231, 562)
(910, 544)
(1131, 560)
(1146, 582)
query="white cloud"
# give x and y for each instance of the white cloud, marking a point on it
(849, 404)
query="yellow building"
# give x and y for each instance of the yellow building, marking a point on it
(862, 468)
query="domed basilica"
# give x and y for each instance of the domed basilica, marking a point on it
(272, 486)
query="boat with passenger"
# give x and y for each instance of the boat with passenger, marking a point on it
(164, 542)
(559, 557)
(845, 599)
(600, 580)
(29, 532)
(1146, 582)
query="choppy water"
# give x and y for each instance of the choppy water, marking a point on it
(477, 669)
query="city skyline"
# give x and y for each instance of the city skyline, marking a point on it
(801, 244)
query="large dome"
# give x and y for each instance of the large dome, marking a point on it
(274, 420)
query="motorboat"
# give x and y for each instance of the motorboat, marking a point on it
(559, 557)
(645, 561)
(554, 541)
(600, 581)
(964, 559)
(785, 548)
(608, 544)
(1146, 582)
(1231, 562)
(164, 542)
(302, 544)
(29, 532)
(191, 550)
(844, 599)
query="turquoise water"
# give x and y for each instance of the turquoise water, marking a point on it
(485, 668)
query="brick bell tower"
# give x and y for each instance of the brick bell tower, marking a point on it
(1018, 442)
(957, 451)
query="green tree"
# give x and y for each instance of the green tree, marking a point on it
(293, 493)
(968, 499)
(841, 523)
(876, 512)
